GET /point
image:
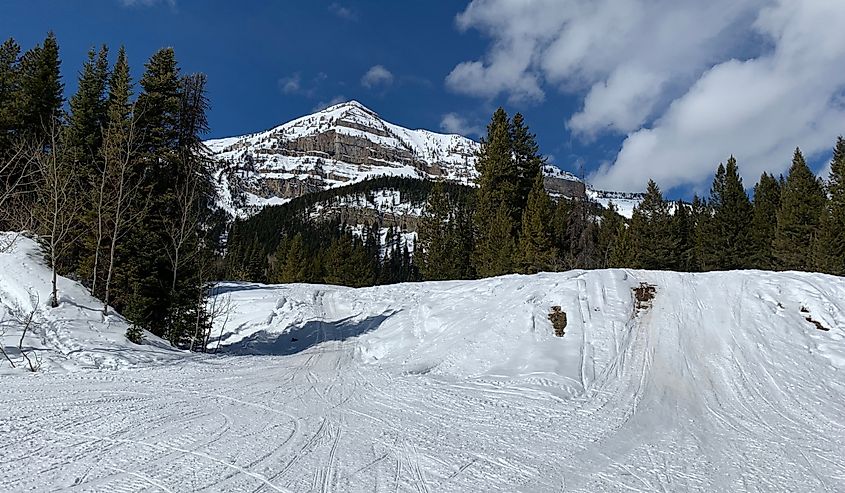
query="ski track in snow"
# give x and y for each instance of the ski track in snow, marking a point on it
(720, 386)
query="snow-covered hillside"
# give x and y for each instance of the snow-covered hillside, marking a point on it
(76, 334)
(727, 382)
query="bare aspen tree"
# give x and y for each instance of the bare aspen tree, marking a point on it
(221, 309)
(4, 326)
(127, 205)
(205, 270)
(58, 204)
(17, 175)
(101, 203)
(181, 226)
(26, 320)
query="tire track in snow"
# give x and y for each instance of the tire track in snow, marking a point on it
(164, 447)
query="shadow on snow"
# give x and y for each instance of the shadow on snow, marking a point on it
(299, 339)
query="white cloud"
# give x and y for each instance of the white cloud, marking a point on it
(331, 102)
(758, 110)
(455, 124)
(377, 75)
(343, 12)
(308, 87)
(688, 82)
(291, 84)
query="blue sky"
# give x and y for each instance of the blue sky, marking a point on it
(625, 88)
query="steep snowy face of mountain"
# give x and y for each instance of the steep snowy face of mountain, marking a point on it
(343, 144)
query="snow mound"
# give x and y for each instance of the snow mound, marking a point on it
(723, 382)
(72, 336)
(718, 326)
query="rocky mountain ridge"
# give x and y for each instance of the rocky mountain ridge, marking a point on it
(340, 145)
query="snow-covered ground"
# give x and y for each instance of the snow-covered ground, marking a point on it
(721, 385)
(76, 334)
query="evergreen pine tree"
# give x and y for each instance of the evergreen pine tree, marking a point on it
(683, 230)
(497, 203)
(9, 82)
(610, 227)
(502, 258)
(801, 203)
(118, 104)
(537, 251)
(582, 236)
(87, 124)
(829, 246)
(116, 201)
(622, 254)
(435, 246)
(527, 161)
(651, 232)
(764, 222)
(41, 91)
(296, 263)
(727, 242)
(560, 221)
(88, 113)
(700, 213)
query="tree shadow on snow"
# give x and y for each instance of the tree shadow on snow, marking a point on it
(236, 287)
(299, 339)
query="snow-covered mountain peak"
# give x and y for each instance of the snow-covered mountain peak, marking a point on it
(343, 144)
(339, 145)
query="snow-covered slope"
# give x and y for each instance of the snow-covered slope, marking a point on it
(727, 382)
(75, 334)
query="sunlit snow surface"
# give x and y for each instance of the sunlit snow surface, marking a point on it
(723, 385)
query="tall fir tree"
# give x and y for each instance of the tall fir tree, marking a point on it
(829, 248)
(527, 159)
(115, 194)
(88, 113)
(157, 110)
(118, 104)
(700, 213)
(684, 231)
(536, 244)
(764, 223)
(801, 203)
(9, 86)
(40, 90)
(652, 237)
(497, 202)
(87, 123)
(622, 254)
(296, 263)
(560, 222)
(582, 249)
(727, 242)
(435, 249)
(611, 226)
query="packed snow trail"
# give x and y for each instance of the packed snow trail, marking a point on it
(721, 385)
